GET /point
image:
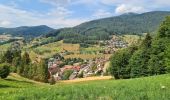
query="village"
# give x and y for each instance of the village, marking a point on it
(81, 68)
(7, 38)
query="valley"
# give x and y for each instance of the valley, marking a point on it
(124, 57)
(82, 61)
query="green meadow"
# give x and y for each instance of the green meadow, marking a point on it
(149, 88)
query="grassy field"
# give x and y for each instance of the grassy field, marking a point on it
(71, 47)
(151, 88)
(91, 50)
(5, 46)
(50, 49)
(131, 39)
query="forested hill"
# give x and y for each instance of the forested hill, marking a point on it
(127, 23)
(100, 29)
(27, 31)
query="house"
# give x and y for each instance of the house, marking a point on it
(54, 69)
(73, 75)
(57, 77)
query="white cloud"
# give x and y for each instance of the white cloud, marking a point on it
(85, 2)
(138, 6)
(124, 8)
(56, 2)
(101, 14)
(12, 17)
(4, 23)
(59, 12)
(111, 2)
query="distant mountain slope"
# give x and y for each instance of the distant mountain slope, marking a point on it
(127, 23)
(25, 31)
(100, 29)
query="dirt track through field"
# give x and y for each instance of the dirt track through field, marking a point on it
(18, 77)
(87, 79)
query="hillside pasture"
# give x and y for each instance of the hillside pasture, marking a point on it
(71, 47)
(91, 50)
(150, 88)
(132, 39)
(4, 47)
(50, 49)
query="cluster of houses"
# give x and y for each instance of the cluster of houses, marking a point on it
(114, 44)
(4, 38)
(89, 68)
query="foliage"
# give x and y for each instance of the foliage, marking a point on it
(101, 29)
(66, 74)
(43, 71)
(27, 32)
(151, 58)
(4, 70)
(81, 75)
(23, 66)
(119, 63)
(139, 60)
(52, 80)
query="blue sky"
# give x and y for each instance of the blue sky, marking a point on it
(68, 13)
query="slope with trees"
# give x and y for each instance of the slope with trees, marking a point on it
(151, 57)
(19, 62)
(101, 29)
(27, 31)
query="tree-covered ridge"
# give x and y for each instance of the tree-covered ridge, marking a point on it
(102, 28)
(127, 23)
(150, 58)
(18, 61)
(26, 31)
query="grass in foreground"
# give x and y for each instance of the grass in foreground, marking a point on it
(151, 88)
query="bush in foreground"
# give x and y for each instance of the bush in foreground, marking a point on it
(4, 70)
(52, 80)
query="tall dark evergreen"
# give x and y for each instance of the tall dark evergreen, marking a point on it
(139, 61)
(43, 71)
(159, 62)
(23, 69)
(8, 57)
(26, 58)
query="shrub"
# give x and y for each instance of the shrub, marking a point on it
(80, 75)
(4, 70)
(67, 74)
(52, 80)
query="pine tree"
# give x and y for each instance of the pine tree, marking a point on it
(26, 59)
(43, 71)
(164, 30)
(24, 67)
(139, 60)
(8, 57)
(158, 62)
